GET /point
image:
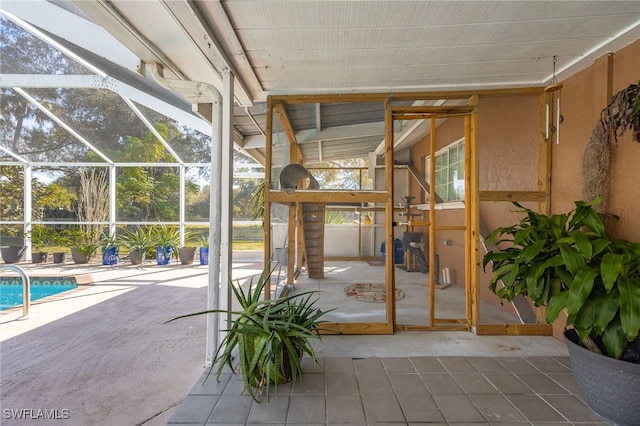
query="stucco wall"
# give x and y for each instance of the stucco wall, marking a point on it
(508, 133)
(584, 95)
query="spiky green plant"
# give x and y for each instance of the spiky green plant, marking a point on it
(270, 336)
(137, 239)
(165, 236)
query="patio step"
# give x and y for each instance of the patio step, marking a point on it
(313, 227)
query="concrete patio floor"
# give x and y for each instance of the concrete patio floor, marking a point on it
(102, 355)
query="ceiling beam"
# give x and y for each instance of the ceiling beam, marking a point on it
(103, 13)
(188, 16)
(281, 112)
(109, 83)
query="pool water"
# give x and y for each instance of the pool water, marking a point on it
(11, 289)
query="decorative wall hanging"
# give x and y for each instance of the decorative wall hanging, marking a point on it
(552, 109)
(622, 113)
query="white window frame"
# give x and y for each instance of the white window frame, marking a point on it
(448, 203)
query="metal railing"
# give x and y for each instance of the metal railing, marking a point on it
(26, 288)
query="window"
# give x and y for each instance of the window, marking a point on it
(449, 173)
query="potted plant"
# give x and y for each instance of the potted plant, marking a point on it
(187, 253)
(166, 239)
(137, 241)
(568, 263)
(40, 237)
(83, 245)
(60, 239)
(12, 253)
(110, 249)
(204, 249)
(267, 339)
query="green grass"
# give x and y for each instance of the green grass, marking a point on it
(247, 245)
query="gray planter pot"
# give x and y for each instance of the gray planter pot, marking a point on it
(79, 257)
(39, 257)
(610, 386)
(12, 254)
(59, 257)
(136, 257)
(186, 255)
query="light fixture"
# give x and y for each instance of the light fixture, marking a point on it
(552, 110)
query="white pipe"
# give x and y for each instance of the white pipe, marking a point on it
(112, 200)
(26, 289)
(546, 121)
(27, 206)
(182, 201)
(558, 121)
(227, 194)
(215, 227)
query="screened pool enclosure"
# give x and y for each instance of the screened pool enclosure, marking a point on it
(87, 144)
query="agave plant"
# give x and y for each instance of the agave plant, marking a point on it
(270, 336)
(137, 239)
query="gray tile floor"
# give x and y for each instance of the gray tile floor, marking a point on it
(433, 390)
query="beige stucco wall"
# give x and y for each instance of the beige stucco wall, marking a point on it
(508, 135)
(584, 95)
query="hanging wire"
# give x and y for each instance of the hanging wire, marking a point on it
(553, 84)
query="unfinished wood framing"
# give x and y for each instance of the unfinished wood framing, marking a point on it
(472, 215)
(276, 107)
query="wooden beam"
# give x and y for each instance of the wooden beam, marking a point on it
(432, 219)
(390, 277)
(522, 196)
(427, 111)
(356, 328)
(331, 98)
(403, 96)
(281, 111)
(544, 159)
(466, 94)
(442, 327)
(319, 196)
(514, 330)
(472, 215)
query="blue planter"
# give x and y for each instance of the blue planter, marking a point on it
(398, 252)
(163, 255)
(204, 255)
(110, 256)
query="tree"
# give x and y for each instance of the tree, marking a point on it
(145, 193)
(101, 117)
(22, 53)
(243, 190)
(93, 203)
(339, 174)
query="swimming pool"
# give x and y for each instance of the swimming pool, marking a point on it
(11, 289)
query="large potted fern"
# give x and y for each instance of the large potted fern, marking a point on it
(267, 339)
(568, 263)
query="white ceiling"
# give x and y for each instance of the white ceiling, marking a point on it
(316, 47)
(283, 47)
